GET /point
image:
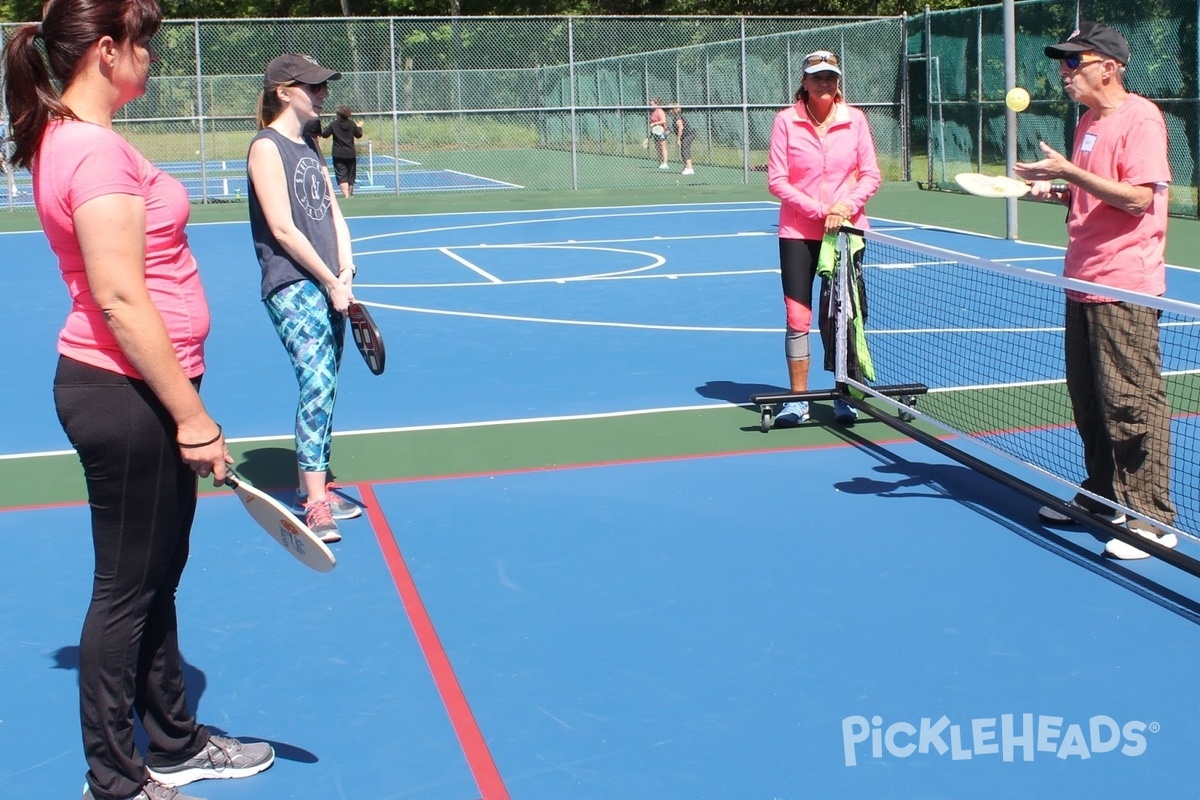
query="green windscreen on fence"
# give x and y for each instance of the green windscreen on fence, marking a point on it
(957, 84)
(554, 103)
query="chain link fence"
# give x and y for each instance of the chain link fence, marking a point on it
(538, 103)
(956, 78)
(561, 103)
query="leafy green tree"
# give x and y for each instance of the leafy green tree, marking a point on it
(24, 10)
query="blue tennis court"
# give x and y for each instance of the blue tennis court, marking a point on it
(216, 180)
(831, 614)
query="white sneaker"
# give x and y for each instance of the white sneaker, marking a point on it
(688, 171)
(222, 757)
(1052, 516)
(1127, 552)
(664, 166)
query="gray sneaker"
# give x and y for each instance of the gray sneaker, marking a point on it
(153, 790)
(319, 518)
(222, 757)
(340, 507)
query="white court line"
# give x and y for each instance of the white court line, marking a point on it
(477, 270)
(911, 331)
(481, 178)
(669, 276)
(564, 242)
(540, 221)
(562, 418)
(440, 426)
(1045, 382)
(733, 205)
(576, 322)
(904, 225)
(654, 261)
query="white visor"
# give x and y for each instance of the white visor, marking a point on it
(821, 61)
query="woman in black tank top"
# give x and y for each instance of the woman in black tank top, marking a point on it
(303, 247)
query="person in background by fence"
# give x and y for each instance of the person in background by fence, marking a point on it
(4, 141)
(131, 356)
(344, 131)
(658, 131)
(303, 248)
(684, 136)
(1116, 190)
(823, 169)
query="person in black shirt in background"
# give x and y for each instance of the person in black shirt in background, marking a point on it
(345, 155)
(684, 136)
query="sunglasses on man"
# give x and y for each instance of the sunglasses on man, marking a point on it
(1076, 60)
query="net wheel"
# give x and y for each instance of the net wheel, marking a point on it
(911, 402)
(765, 420)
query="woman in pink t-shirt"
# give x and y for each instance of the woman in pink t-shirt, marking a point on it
(131, 356)
(657, 127)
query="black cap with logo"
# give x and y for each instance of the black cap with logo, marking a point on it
(1092, 36)
(299, 68)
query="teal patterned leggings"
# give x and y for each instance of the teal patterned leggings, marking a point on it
(313, 334)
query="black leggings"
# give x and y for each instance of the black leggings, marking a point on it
(142, 499)
(798, 267)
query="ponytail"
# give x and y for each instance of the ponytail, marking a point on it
(269, 106)
(29, 94)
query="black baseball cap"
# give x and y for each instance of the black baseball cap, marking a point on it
(297, 67)
(1092, 36)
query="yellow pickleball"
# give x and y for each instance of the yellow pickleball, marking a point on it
(1017, 99)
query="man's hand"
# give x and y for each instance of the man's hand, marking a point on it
(1055, 166)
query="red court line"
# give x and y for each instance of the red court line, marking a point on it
(470, 738)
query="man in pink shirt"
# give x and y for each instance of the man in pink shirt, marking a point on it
(1116, 190)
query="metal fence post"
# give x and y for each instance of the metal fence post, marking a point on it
(200, 113)
(571, 94)
(395, 108)
(905, 103)
(745, 106)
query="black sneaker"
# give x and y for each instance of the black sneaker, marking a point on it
(222, 757)
(1052, 516)
(843, 412)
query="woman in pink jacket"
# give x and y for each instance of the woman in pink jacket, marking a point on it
(823, 169)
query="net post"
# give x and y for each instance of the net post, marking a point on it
(844, 305)
(841, 307)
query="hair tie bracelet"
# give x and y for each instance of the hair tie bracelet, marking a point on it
(37, 28)
(213, 440)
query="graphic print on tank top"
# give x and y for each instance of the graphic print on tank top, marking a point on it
(308, 186)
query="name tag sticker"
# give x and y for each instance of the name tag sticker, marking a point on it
(1089, 141)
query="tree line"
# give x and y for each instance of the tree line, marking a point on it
(27, 10)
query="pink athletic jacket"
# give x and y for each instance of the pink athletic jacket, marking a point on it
(809, 174)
